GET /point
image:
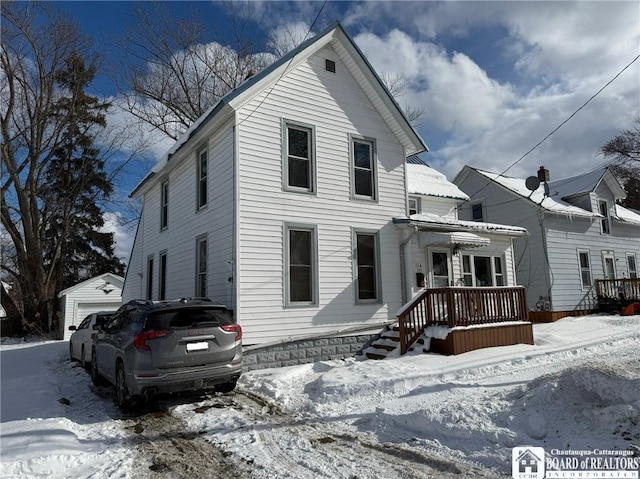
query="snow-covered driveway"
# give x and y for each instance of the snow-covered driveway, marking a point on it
(417, 416)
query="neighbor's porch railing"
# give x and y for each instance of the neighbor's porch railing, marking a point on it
(460, 306)
(623, 288)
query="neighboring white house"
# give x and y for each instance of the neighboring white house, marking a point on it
(577, 232)
(279, 201)
(442, 250)
(100, 293)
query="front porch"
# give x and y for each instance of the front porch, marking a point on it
(476, 318)
(614, 294)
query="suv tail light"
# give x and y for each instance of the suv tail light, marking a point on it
(140, 341)
(230, 328)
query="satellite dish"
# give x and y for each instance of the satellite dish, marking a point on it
(532, 183)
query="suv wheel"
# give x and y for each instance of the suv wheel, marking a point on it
(123, 397)
(83, 359)
(227, 387)
(96, 379)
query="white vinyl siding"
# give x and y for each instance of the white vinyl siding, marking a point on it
(337, 109)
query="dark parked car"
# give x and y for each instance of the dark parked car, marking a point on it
(80, 341)
(158, 347)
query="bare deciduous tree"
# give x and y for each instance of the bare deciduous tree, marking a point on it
(46, 119)
(174, 75)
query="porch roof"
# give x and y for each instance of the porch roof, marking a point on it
(431, 222)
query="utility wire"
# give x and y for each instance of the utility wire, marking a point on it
(561, 124)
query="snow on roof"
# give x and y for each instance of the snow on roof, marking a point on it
(479, 226)
(424, 180)
(576, 185)
(627, 216)
(552, 203)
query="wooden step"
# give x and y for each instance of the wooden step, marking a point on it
(371, 355)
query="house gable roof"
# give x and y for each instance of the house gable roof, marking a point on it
(552, 204)
(113, 279)
(560, 190)
(587, 183)
(350, 55)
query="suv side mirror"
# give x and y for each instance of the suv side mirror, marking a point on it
(72, 328)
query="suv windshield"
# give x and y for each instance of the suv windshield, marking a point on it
(187, 318)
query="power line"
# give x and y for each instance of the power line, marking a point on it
(561, 124)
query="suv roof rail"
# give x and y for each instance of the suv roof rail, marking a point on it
(197, 298)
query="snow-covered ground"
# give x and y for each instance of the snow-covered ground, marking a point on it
(420, 415)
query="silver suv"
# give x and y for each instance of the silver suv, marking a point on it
(158, 347)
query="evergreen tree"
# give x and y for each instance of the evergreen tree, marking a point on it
(75, 183)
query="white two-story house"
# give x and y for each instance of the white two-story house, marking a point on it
(278, 202)
(578, 234)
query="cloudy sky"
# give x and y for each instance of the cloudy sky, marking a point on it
(493, 78)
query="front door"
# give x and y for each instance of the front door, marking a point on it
(440, 269)
(609, 263)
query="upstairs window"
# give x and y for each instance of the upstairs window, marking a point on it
(605, 227)
(203, 172)
(299, 167)
(164, 205)
(414, 205)
(363, 164)
(585, 269)
(476, 212)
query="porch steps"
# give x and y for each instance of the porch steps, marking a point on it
(389, 343)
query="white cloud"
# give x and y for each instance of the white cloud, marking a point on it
(555, 55)
(123, 235)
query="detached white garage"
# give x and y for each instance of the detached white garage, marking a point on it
(101, 293)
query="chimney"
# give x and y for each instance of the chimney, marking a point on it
(543, 175)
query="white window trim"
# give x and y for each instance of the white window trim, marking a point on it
(584, 287)
(472, 264)
(162, 278)
(149, 283)
(378, 273)
(164, 205)
(198, 273)
(199, 179)
(286, 124)
(315, 278)
(635, 261)
(374, 167)
(418, 202)
(607, 217)
(483, 210)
